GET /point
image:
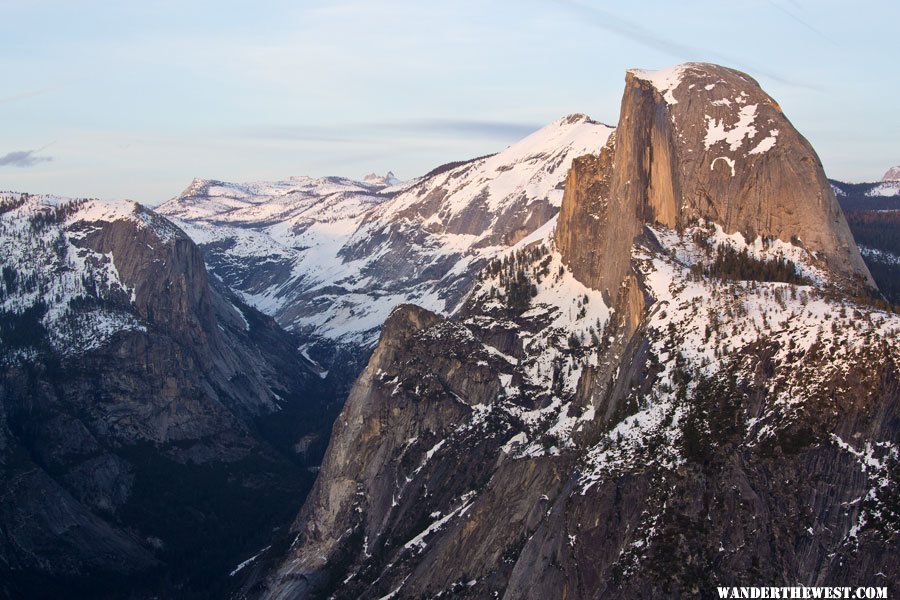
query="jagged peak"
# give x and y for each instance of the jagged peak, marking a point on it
(388, 179)
(573, 118)
(198, 187)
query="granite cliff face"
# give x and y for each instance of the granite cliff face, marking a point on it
(673, 392)
(147, 416)
(700, 141)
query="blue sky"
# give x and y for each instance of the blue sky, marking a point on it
(134, 99)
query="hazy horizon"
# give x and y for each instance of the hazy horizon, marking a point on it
(112, 101)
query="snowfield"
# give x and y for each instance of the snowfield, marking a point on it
(332, 257)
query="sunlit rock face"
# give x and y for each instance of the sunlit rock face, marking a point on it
(701, 141)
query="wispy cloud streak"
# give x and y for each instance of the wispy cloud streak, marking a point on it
(23, 159)
(636, 33)
(27, 94)
(466, 128)
(801, 21)
(441, 128)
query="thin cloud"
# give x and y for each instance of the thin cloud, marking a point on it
(23, 159)
(801, 21)
(59, 85)
(27, 94)
(377, 132)
(468, 128)
(295, 133)
(610, 22)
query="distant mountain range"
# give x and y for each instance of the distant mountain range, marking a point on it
(331, 258)
(878, 195)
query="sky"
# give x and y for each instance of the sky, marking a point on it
(132, 99)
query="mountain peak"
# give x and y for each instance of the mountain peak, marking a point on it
(893, 174)
(387, 179)
(574, 118)
(700, 142)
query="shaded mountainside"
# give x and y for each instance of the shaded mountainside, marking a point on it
(154, 429)
(330, 258)
(878, 234)
(673, 391)
(874, 219)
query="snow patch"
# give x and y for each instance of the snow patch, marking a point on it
(767, 144)
(666, 81)
(728, 161)
(717, 131)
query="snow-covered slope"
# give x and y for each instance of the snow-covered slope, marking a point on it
(885, 188)
(331, 257)
(267, 239)
(74, 292)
